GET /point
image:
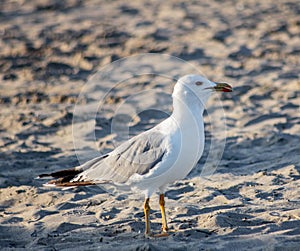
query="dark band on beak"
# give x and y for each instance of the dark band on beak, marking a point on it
(222, 87)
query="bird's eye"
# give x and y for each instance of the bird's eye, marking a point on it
(199, 83)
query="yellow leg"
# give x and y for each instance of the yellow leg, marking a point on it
(163, 213)
(147, 214)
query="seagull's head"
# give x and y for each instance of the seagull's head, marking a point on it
(199, 86)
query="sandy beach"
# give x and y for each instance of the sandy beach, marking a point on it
(49, 52)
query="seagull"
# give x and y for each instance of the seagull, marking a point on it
(152, 160)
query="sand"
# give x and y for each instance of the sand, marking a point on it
(49, 49)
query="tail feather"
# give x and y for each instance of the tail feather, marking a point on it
(63, 178)
(61, 183)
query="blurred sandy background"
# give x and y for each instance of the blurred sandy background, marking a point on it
(49, 49)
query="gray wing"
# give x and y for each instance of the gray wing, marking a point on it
(136, 156)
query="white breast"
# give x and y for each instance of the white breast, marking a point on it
(186, 147)
(189, 150)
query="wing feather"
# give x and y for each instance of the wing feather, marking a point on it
(136, 156)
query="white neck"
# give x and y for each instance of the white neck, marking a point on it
(186, 106)
(188, 116)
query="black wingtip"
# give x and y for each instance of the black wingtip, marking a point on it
(44, 176)
(71, 173)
